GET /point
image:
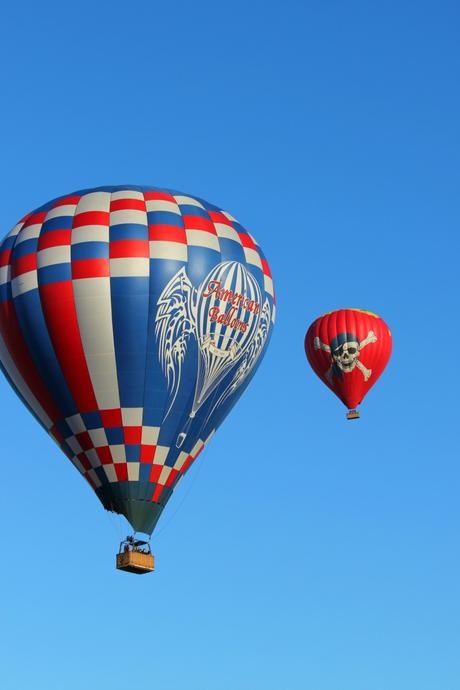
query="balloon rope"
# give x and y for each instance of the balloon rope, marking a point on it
(186, 495)
(115, 524)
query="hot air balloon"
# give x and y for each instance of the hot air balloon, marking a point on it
(131, 321)
(349, 349)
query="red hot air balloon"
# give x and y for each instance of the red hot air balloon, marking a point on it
(349, 349)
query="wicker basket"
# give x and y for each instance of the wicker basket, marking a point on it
(352, 414)
(135, 562)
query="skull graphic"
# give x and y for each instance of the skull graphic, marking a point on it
(344, 350)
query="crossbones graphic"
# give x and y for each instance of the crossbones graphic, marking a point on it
(344, 350)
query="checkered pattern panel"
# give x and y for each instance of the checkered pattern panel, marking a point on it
(175, 223)
(122, 450)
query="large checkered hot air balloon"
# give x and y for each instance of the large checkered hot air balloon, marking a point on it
(349, 349)
(131, 321)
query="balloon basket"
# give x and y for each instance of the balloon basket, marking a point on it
(135, 557)
(352, 414)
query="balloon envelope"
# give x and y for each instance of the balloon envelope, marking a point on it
(131, 320)
(348, 349)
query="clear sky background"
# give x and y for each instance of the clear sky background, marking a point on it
(302, 552)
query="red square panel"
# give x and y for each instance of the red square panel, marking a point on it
(56, 238)
(5, 257)
(172, 475)
(219, 218)
(91, 218)
(90, 268)
(35, 218)
(84, 440)
(126, 204)
(104, 455)
(23, 264)
(246, 241)
(199, 223)
(266, 268)
(120, 249)
(147, 453)
(157, 196)
(133, 434)
(121, 469)
(84, 461)
(111, 418)
(67, 201)
(167, 233)
(155, 473)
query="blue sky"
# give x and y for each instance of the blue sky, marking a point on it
(302, 552)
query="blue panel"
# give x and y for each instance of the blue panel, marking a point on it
(92, 420)
(130, 308)
(5, 292)
(58, 223)
(191, 210)
(8, 242)
(24, 248)
(54, 274)
(90, 250)
(239, 228)
(130, 318)
(133, 453)
(231, 250)
(127, 231)
(165, 218)
(200, 262)
(101, 474)
(115, 435)
(144, 473)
